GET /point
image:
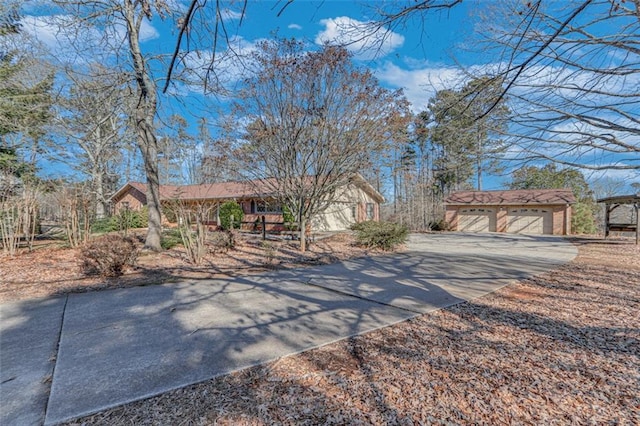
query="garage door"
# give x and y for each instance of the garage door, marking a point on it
(477, 220)
(529, 221)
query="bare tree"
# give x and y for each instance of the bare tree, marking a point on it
(576, 101)
(191, 218)
(123, 21)
(19, 217)
(204, 38)
(92, 122)
(314, 120)
(571, 71)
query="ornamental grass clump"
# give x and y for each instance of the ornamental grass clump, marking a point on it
(380, 235)
(108, 255)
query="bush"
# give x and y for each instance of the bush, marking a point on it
(228, 209)
(223, 240)
(439, 225)
(582, 219)
(123, 221)
(170, 238)
(289, 220)
(381, 235)
(108, 255)
(103, 226)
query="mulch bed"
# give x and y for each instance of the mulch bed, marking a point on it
(53, 271)
(559, 348)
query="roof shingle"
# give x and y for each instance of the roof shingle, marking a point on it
(511, 197)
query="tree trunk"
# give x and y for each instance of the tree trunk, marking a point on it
(145, 115)
(479, 161)
(303, 234)
(100, 208)
(149, 150)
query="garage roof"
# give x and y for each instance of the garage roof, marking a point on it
(511, 197)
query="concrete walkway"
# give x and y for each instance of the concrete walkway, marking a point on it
(103, 349)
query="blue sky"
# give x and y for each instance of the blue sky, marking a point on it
(420, 56)
(416, 58)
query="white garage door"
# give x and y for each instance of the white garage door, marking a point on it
(529, 221)
(477, 220)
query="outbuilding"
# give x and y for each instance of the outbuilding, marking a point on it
(526, 211)
(622, 222)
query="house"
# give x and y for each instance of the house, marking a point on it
(530, 211)
(356, 202)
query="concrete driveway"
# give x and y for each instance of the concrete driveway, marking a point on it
(103, 349)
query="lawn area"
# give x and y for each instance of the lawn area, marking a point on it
(559, 348)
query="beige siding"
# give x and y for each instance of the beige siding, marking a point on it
(351, 206)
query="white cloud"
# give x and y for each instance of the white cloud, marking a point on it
(232, 65)
(230, 15)
(45, 29)
(363, 39)
(419, 84)
(68, 38)
(147, 31)
(294, 27)
(62, 37)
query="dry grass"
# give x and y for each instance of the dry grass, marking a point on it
(560, 348)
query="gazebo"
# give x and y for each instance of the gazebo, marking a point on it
(612, 203)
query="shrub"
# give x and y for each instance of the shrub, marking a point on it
(223, 240)
(228, 209)
(270, 252)
(170, 238)
(132, 219)
(169, 213)
(381, 235)
(289, 219)
(103, 226)
(439, 225)
(582, 219)
(108, 255)
(123, 221)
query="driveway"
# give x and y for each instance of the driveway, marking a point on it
(103, 349)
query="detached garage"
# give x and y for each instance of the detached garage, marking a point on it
(531, 211)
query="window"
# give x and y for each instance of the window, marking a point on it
(370, 211)
(353, 212)
(268, 207)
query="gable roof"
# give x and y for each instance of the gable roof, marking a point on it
(519, 196)
(621, 199)
(224, 190)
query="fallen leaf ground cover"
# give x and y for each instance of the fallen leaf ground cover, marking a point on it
(53, 270)
(559, 348)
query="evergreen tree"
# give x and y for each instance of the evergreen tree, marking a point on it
(549, 177)
(466, 133)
